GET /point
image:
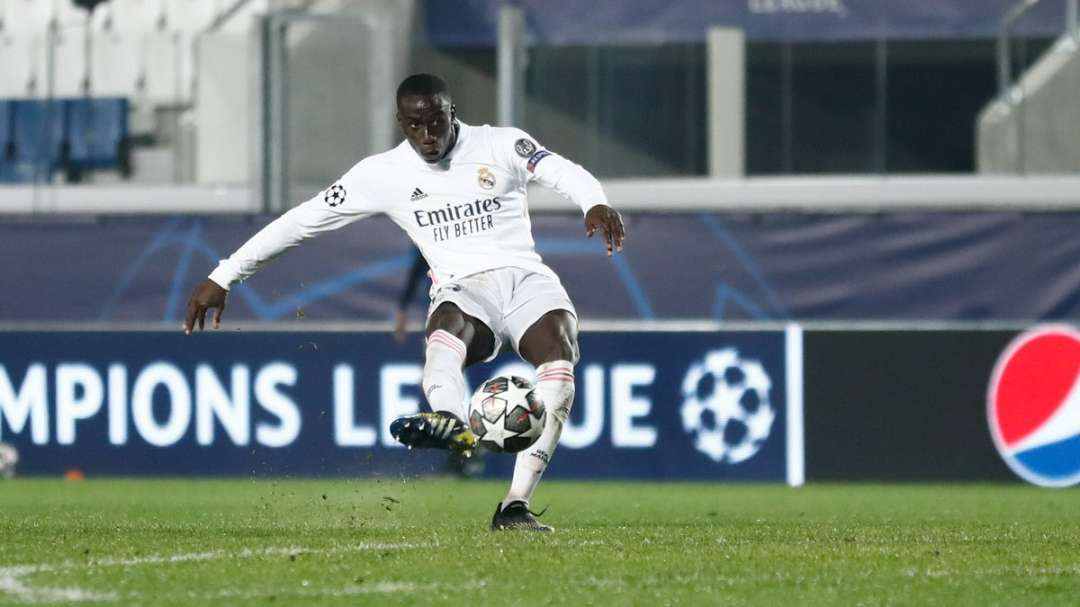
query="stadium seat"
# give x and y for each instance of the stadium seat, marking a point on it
(7, 172)
(38, 136)
(19, 64)
(162, 56)
(5, 129)
(97, 134)
(27, 16)
(190, 16)
(116, 64)
(68, 14)
(134, 16)
(70, 53)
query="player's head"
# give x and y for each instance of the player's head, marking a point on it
(426, 115)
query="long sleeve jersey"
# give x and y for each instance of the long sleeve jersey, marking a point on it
(467, 213)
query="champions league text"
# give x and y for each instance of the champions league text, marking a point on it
(455, 221)
(135, 402)
(162, 404)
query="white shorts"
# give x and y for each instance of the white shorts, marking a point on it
(508, 300)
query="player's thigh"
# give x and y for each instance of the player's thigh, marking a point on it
(477, 336)
(553, 337)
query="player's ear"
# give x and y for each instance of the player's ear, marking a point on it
(453, 112)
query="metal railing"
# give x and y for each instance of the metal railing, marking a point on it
(1005, 31)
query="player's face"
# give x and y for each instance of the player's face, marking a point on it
(427, 121)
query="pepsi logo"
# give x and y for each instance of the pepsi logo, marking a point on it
(1033, 406)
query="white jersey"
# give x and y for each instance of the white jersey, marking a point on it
(467, 213)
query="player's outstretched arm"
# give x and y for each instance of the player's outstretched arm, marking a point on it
(569, 179)
(609, 222)
(207, 294)
(335, 207)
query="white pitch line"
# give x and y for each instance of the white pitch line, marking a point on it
(12, 583)
(344, 591)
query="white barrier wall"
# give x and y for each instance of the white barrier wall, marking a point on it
(754, 195)
(225, 108)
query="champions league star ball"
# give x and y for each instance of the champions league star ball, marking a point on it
(726, 406)
(506, 415)
(8, 458)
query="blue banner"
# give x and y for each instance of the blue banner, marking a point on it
(571, 22)
(708, 405)
(719, 266)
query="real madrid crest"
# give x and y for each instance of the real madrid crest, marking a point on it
(486, 178)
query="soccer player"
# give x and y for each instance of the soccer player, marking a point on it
(459, 192)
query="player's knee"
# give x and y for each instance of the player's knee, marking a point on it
(448, 317)
(564, 346)
(569, 349)
(567, 339)
(552, 338)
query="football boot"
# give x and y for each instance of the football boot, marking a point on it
(516, 515)
(434, 430)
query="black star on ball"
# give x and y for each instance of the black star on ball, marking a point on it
(335, 195)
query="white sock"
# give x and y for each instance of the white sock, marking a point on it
(444, 382)
(555, 387)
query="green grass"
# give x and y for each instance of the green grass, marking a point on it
(422, 542)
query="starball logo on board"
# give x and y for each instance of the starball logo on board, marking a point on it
(1033, 406)
(726, 407)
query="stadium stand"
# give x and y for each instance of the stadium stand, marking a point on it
(119, 73)
(97, 135)
(27, 15)
(38, 138)
(19, 67)
(116, 64)
(7, 150)
(144, 51)
(70, 52)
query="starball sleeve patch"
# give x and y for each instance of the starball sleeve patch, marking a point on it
(334, 195)
(524, 148)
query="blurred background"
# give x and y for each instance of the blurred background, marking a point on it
(897, 180)
(223, 92)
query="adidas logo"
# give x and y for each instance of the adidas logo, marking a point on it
(418, 194)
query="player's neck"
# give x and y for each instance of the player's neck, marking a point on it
(453, 142)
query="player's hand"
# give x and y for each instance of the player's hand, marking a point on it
(207, 294)
(609, 221)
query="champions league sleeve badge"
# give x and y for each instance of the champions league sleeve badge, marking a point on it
(334, 195)
(524, 148)
(486, 178)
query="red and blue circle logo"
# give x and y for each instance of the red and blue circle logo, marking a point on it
(1033, 406)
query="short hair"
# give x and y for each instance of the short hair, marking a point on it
(422, 84)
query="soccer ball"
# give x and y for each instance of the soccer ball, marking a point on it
(9, 456)
(726, 406)
(506, 415)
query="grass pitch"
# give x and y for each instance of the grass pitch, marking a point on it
(421, 542)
